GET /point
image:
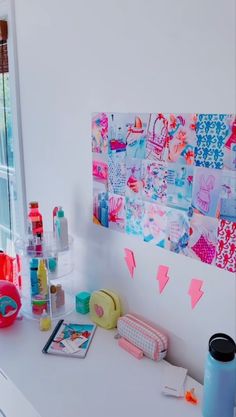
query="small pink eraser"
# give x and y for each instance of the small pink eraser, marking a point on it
(138, 353)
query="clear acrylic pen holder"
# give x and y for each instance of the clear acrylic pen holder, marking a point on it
(45, 274)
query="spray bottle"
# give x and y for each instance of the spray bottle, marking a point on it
(61, 230)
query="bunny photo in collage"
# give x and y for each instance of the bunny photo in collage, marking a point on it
(168, 179)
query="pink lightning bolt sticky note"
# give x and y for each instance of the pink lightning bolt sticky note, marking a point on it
(130, 261)
(195, 291)
(162, 277)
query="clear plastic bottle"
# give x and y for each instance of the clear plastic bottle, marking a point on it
(54, 215)
(61, 230)
(220, 377)
(60, 301)
(43, 279)
(34, 276)
(53, 293)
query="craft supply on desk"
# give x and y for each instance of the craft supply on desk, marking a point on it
(39, 286)
(35, 219)
(70, 339)
(105, 308)
(35, 229)
(143, 335)
(34, 276)
(10, 303)
(60, 296)
(61, 230)
(54, 215)
(82, 302)
(45, 323)
(220, 377)
(190, 397)
(38, 245)
(8, 267)
(43, 278)
(52, 264)
(53, 293)
(39, 303)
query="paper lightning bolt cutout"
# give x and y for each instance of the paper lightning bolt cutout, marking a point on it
(195, 291)
(130, 261)
(162, 277)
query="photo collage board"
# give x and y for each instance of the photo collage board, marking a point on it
(170, 180)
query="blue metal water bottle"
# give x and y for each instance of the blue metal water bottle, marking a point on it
(220, 377)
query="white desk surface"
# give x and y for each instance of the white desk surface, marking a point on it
(109, 382)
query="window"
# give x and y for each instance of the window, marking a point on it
(11, 188)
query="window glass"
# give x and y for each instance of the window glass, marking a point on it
(8, 213)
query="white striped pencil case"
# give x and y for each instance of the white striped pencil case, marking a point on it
(143, 335)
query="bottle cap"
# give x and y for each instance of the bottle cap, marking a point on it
(222, 347)
(41, 264)
(60, 212)
(44, 313)
(34, 263)
(52, 264)
(53, 289)
(33, 204)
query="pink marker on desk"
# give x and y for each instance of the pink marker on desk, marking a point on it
(133, 350)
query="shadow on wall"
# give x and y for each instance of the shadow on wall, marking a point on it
(93, 243)
(177, 344)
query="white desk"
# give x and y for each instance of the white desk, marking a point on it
(12, 400)
(109, 382)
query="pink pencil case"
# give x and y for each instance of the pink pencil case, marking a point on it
(143, 335)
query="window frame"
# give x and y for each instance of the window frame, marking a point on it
(7, 11)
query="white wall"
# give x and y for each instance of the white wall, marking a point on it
(76, 57)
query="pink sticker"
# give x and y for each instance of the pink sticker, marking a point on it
(130, 261)
(195, 291)
(162, 277)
